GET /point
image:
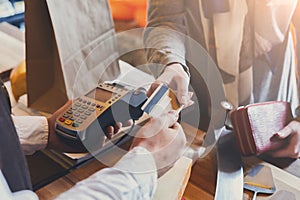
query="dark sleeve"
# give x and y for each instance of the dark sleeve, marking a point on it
(164, 37)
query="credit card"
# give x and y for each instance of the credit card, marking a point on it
(162, 100)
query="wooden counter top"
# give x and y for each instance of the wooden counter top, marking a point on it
(202, 181)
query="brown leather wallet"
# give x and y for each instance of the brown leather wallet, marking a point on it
(256, 124)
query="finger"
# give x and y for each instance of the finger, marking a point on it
(152, 88)
(118, 126)
(61, 109)
(183, 99)
(129, 122)
(69, 102)
(182, 93)
(190, 103)
(285, 132)
(176, 126)
(180, 134)
(109, 132)
(171, 118)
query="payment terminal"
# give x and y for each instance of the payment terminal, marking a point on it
(102, 107)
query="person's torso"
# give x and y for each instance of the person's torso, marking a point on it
(12, 160)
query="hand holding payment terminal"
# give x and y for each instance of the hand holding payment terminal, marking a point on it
(100, 108)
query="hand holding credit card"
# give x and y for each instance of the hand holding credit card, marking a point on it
(162, 100)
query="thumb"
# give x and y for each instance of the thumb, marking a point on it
(182, 91)
(285, 132)
(171, 118)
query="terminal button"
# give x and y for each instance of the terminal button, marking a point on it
(68, 122)
(61, 119)
(75, 125)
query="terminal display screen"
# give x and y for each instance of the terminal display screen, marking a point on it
(100, 95)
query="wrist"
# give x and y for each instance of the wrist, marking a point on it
(177, 66)
(50, 136)
(145, 145)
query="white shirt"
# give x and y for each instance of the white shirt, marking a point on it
(32, 132)
(133, 177)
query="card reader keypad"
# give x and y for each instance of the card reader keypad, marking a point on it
(80, 110)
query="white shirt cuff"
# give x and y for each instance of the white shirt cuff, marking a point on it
(140, 163)
(32, 132)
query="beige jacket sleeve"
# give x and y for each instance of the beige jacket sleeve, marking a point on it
(165, 34)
